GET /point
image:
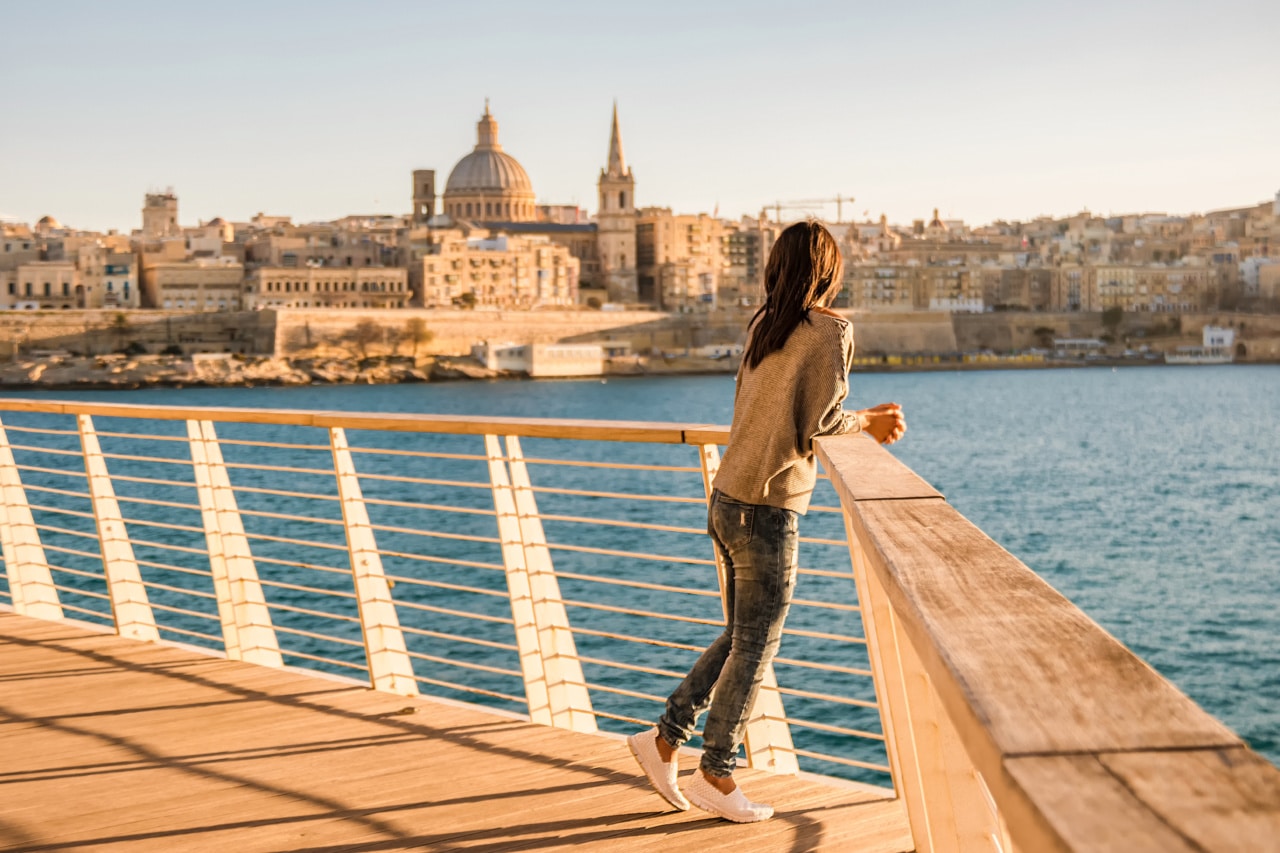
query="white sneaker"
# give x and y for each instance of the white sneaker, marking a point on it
(735, 806)
(661, 774)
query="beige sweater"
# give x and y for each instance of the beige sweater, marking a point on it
(790, 398)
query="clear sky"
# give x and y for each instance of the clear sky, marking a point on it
(316, 110)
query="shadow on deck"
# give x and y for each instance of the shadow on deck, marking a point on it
(112, 744)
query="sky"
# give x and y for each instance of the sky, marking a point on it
(985, 110)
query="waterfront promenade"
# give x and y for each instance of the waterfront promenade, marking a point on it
(430, 554)
(111, 744)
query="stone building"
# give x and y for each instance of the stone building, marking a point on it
(498, 270)
(17, 246)
(108, 278)
(327, 287)
(200, 284)
(40, 285)
(681, 259)
(160, 215)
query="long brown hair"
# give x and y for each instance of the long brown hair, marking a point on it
(803, 271)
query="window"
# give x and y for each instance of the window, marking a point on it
(66, 288)
(488, 209)
(48, 289)
(622, 200)
(111, 286)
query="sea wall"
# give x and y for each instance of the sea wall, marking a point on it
(98, 332)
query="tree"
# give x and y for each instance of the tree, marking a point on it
(361, 336)
(1112, 316)
(417, 334)
(1044, 336)
(466, 300)
(120, 326)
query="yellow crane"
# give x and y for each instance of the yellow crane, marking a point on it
(806, 204)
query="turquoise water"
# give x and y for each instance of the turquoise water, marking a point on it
(1149, 496)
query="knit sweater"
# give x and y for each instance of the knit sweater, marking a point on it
(793, 396)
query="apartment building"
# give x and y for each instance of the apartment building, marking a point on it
(501, 271)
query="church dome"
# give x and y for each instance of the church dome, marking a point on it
(489, 184)
(48, 223)
(495, 171)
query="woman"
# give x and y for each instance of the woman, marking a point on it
(791, 387)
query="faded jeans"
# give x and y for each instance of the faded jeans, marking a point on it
(758, 546)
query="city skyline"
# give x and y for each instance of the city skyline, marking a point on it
(995, 113)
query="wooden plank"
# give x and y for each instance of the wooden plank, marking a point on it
(177, 751)
(1222, 799)
(1066, 803)
(1018, 668)
(862, 470)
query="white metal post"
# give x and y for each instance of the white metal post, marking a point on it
(567, 693)
(247, 632)
(537, 694)
(768, 735)
(30, 582)
(390, 667)
(129, 604)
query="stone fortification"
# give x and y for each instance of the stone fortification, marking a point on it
(95, 332)
(899, 334)
(455, 331)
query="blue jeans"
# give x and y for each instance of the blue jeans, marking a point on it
(758, 546)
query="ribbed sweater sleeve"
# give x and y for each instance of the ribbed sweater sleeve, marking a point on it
(793, 396)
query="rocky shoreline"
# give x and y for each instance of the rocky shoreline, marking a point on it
(144, 371)
(116, 371)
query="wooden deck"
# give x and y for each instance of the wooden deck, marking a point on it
(109, 744)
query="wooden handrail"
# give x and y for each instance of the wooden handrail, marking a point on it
(1082, 745)
(589, 430)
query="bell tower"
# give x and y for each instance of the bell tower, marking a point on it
(616, 222)
(424, 195)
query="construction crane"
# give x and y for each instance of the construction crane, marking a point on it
(806, 204)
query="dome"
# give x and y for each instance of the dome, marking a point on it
(49, 223)
(492, 171)
(217, 220)
(489, 184)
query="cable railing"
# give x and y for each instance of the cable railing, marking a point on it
(575, 584)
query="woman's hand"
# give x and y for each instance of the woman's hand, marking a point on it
(884, 422)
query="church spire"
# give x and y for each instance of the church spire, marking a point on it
(617, 167)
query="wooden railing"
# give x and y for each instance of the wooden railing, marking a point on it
(432, 553)
(1014, 721)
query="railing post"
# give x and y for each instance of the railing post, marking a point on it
(973, 822)
(891, 694)
(390, 667)
(130, 607)
(30, 582)
(768, 735)
(566, 687)
(247, 633)
(537, 694)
